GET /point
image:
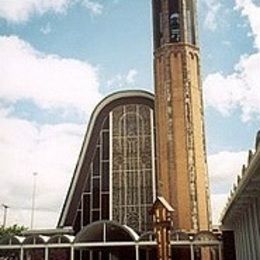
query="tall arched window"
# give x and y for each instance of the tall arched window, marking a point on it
(133, 166)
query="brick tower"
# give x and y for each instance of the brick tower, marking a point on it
(182, 166)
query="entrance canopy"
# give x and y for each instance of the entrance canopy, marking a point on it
(106, 231)
(105, 236)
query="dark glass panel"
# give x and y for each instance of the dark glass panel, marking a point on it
(85, 255)
(98, 142)
(87, 186)
(59, 254)
(77, 223)
(34, 254)
(96, 163)
(105, 146)
(117, 233)
(86, 209)
(10, 254)
(96, 183)
(106, 123)
(181, 253)
(77, 254)
(105, 176)
(105, 206)
(96, 193)
(95, 255)
(105, 255)
(95, 215)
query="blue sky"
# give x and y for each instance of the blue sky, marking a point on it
(59, 58)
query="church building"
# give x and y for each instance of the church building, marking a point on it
(138, 146)
(143, 154)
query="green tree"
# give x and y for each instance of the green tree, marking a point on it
(12, 230)
(5, 233)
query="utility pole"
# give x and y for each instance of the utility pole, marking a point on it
(5, 214)
(33, 198)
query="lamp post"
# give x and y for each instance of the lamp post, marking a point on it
(33, 198)
(5, 214)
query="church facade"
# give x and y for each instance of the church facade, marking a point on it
(115, 175)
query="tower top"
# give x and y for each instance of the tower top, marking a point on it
(174, 22)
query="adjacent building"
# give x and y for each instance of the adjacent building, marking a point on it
(242, 213)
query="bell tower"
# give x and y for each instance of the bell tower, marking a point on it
(181, 152)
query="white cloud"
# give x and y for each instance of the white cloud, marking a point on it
(17, 10)
(50, 150)
(131, 75)
(224, 167)
(240, 89)
(47, 80)
(252, 11)
(218, 202)
(95, 7)
(123, 80)
(211, 20)
(237, 90)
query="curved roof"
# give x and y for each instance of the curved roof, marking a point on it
(106, 231)
(11, 240)
(35, 239)
(180, 236)
(205, 236)
(94, 127)
(148, 236)
(61, 239)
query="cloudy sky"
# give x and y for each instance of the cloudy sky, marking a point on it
(59, 58)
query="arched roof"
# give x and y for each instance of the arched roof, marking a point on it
(148, 236)
(11, 240)
(180, 236)
(205, 236)
(60, 239)
(85, 157)
(35, 239)
(105, 231)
